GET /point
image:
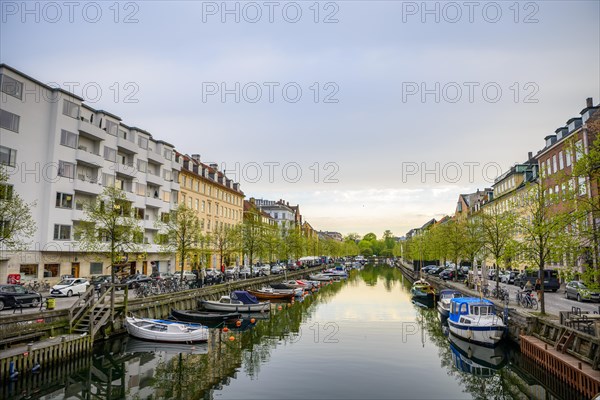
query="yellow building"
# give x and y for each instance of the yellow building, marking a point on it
(217, 200)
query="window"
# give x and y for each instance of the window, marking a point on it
(140, 189)
(108, 180)
(96, 268)
(196, 203)
(568, 157)
(6, 192)
(139, 213)
(70, 109)
(62, 232)
(167, 196)
(143, 142)
(203, 205)
(167, 174)
(8, 156)
(189, 202)
(183, 180)
(578, 150)
(66, 169)
(111, 128)
(51, 270)
(110, 154)
(142, 165)
(68, 139)
(168, 153)
(11, 86)
(554, 164)
(64, 200)
(561, 162)
(9, 121)
(581, 185)
(29, 270)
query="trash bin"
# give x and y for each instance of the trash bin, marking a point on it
(50, 303)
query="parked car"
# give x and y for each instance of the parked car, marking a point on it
(188, 276)
(70, 286)
(447, 274)
(99, 280)
(15, 295)
(161, 275)
(264, 269)
(436, 271)
(232, 272)
(133, 280)
(578, 290)
(550, 279)
(428, 268)
(277, 269)
(509, 277)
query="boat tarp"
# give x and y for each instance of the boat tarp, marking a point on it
(244, 297)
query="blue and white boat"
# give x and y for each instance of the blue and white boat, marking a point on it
(475, 320)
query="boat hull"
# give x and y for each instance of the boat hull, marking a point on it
(239, 308)
(271, 296)
(161, 332)
(484, 335)
(203, 317)
(444, 311)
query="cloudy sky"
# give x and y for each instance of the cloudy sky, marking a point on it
(371, 115)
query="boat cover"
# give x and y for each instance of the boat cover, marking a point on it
(244, 297)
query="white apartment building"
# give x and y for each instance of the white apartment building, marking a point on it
(59, 153)
(280, 211)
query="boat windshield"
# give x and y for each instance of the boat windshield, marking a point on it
(481, 310)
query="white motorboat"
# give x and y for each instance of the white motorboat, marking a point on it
(165, 331)
(238, 301)
(475, 320)
(443, 304)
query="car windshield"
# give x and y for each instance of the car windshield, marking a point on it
(66, 282)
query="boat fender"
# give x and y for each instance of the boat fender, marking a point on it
(469, 352)
(470, 334)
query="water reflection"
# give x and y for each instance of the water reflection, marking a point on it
(361, 338)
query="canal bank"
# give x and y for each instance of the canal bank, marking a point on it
(570, 355)
(55, 336)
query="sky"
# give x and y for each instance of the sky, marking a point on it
(371, 115)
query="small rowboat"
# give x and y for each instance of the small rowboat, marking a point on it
(238, 301)
(165, 331)
(271, 294)
(203, 317)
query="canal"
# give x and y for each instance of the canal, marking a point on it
(361, 338)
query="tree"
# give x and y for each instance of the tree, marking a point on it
(544, 227)
(180, 233)
(253, 235)
(271, 242)
(16, 222)
(473, 239)
(226, 241)
(109, 226)
(455, 233)
(498, 230)
(370, 237)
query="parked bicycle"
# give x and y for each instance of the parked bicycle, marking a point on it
(500, 293)
(527, 299)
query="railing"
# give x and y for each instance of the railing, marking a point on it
(77, 310)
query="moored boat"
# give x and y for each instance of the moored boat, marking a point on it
(165, 331)
(476, 359)
(443, 304)
(422, 289)
(272, 294)
(204, 317)
(474, 320)
(238, 301)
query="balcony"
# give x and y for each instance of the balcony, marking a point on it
(88, 158)
(128, 170)
(175, 186)
(87, 185)
(91, 130)
(127, 146)
(150, 225)
(155, 157)
(154, 202)
(154, 179)
(78, 215)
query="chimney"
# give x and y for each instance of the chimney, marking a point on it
(196, 157)
(561, 132)
(587, 112)
(529, 157)
(589, 102)
(214, 166)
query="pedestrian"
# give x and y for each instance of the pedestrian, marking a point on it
(528, 286)
(538, 288)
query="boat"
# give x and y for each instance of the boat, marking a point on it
(204, 317)
(165, 331)
(335, 273)
(443, 304)
(238, 301)
(423, 291)
(475, 359)
(474, 320)
(272, 294)
(324, 277)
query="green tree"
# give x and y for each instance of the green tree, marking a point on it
(180, 233)
(226, 241)
(498, 231)
(16, 223)
(544, 227)
(473, 239)
(253, 235)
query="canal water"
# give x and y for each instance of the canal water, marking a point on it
(358, 339)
